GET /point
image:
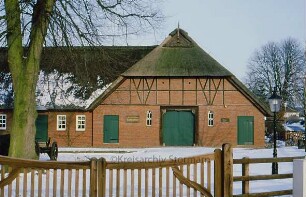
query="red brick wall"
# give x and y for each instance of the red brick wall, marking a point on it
(136, 96)
(70, 136)
(131, 134)
(226, 132)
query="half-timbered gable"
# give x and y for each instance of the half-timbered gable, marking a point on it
(176, 91)
(178, 95)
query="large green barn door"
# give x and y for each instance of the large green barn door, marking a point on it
(41, 128)
(111, 129)
(178, 128)
(245, 130)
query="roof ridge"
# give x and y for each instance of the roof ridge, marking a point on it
(177, 56)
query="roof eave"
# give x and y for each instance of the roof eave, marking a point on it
(263, 108)
(106, 93)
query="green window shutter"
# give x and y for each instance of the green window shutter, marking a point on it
(111, 129)
(245, 130)
(41, 124)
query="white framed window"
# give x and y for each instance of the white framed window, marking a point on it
(61, 122)
(210, 118)
(80, 122)
(2, 121)
(149, 118)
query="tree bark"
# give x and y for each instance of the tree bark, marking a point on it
(76, 22)
(24, 70)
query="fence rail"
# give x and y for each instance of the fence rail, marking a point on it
(158, 178)
(43, 178)
(224, 175)
(246, 177)
(192, 176)
(181, 177)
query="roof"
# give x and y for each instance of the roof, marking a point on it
(291, 110)
(180, 56)
(87, 62)
(67, 108)
(89, 68)
(294, 127)
(260, 105)
(106, 93)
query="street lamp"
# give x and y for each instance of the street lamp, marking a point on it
(275, 103)
(305, 110)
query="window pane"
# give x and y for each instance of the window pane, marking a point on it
(61, 122)
(210, 118)
(2, 121)
(80, 122)
(149, 118)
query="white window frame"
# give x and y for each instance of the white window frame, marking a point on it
(210, 116)
(3, 121)
(80, 123)
(149, 118)
(61, 124)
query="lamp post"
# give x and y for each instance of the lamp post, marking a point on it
(285, 114)
(305, 110)
(275, 103)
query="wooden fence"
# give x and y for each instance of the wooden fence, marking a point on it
(175, 177)
(246, 177)
(228, 177)
(44, 178)
(160, 178)
(192, 176)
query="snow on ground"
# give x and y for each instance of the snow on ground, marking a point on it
(294, 127)
(266, 169)
(110, 154)
(131, 154)
(169, 153)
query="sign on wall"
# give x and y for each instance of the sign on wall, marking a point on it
(132, 119)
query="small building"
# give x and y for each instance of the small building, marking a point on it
(291, 113)
(294, 132)
(177, 95)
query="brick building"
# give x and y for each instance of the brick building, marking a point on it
(177, 95)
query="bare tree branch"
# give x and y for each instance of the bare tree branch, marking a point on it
(280, 65)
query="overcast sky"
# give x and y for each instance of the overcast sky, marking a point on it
(231, 30)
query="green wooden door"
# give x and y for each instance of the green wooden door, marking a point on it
(111, 129)
(245, 130)
(41, 128)
(178, 128)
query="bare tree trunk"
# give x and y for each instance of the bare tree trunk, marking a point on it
(24, 72)
(23, 125)
(72, 22)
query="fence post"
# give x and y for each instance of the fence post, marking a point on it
(101, 177)
(93, 178)
(299, 177)
(217, 173)
(245, 172)
(227, 167)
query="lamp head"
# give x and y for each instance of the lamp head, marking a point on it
(275, 102)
